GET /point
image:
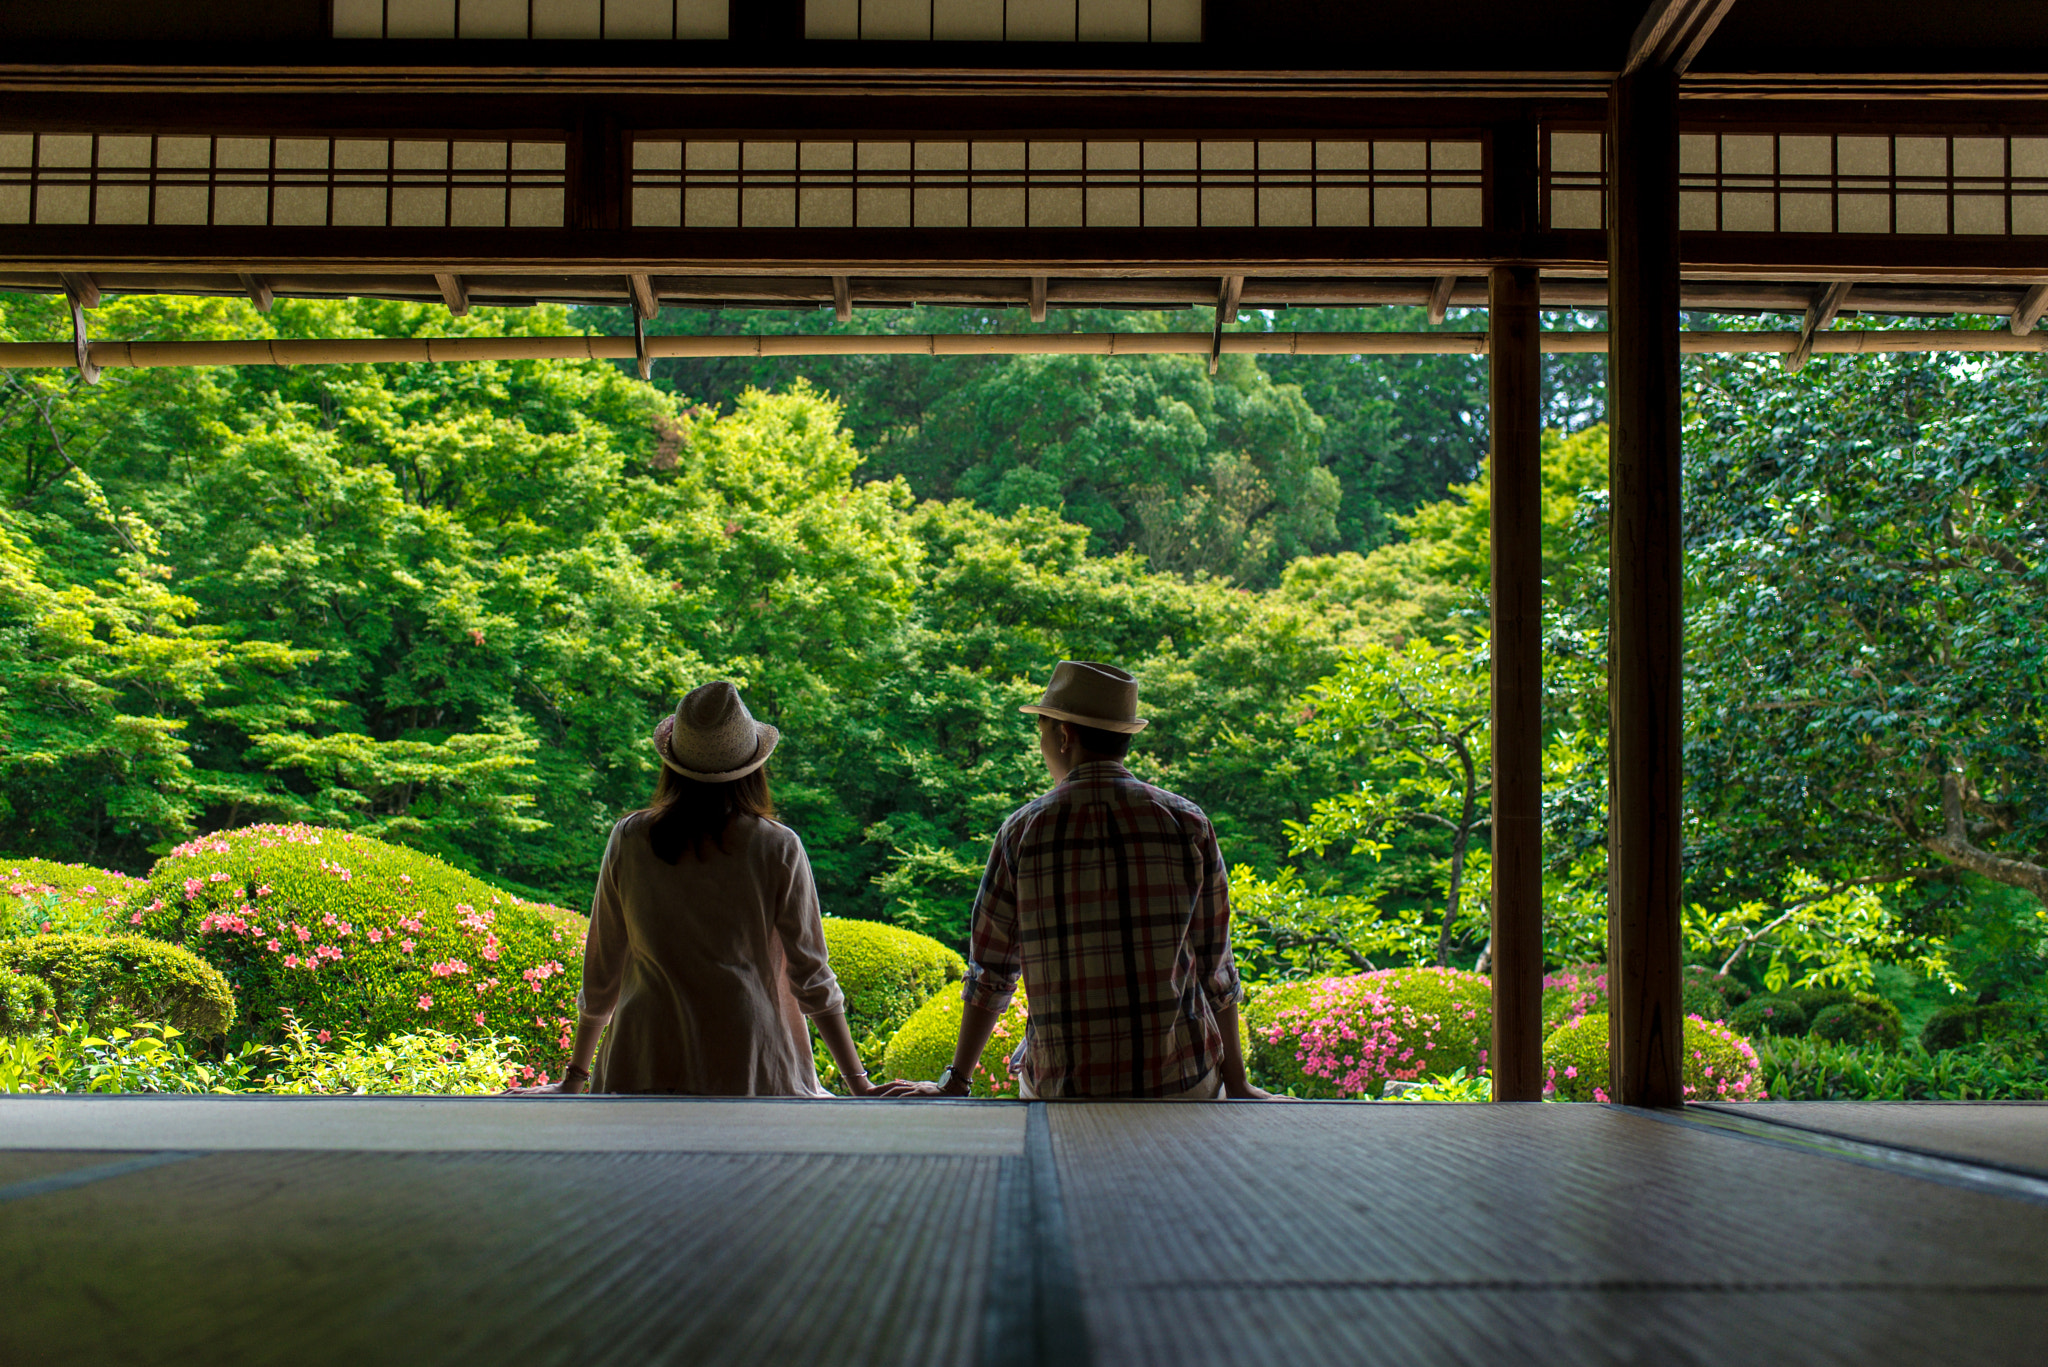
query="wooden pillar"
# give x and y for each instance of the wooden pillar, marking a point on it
(1516, 421)
(1644, 669)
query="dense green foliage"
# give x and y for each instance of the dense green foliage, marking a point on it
(1761, 1016)
(924, 1046)
(1808, 1069)
(103, 982)
(1720, 1065)
(886, 973)
(352, 935)
(45, 896)
(25, 1002)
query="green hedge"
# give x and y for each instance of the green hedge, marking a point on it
(1348, 1036)
(1858, 1023)
(26, 1003)
(46, 897)
(887, 973)
(359, 937)
(1958, 1027)
(924, 1046)
(109, 981)
(1720, 1065)
(1808, 1069)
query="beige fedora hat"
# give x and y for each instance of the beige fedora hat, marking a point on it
(712, 738)
(1090, 694)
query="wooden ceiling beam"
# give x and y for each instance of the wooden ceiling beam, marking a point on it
(1671, 34)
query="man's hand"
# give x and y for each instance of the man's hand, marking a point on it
(1244, 1091)
(552, 1089)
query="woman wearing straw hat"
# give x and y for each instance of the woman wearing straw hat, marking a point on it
(706, 953)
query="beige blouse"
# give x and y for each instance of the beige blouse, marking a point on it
(708, 967)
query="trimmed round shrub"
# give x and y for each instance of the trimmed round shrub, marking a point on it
(1350, 1036)
(359, 937)
(886, 973)
(1701, 994)
(1572, 993)
(1814, 1000)
(1720, 1065)
(26, 1003)
(1769, 1016)
(46, 897)
(1857, 1023)
(1957, 1027)
(107, 981)
(924, 1046)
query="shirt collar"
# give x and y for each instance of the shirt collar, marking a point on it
(1095, 771)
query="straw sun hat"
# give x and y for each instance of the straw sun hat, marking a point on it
(1089, 694)
(712, 738)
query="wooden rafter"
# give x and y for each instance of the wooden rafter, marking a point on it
(81, 289)
(646, 302)
(1440, 298)
(1038, 293)
(842, 299)
(259, 291)
(453, 292)
(2028, 311)
(1820, 315)
(1672, 33)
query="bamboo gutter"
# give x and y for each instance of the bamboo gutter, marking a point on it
(363, 351)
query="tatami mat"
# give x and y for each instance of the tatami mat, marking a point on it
(227, 1232)
(2007, 1134)
(483, 1124)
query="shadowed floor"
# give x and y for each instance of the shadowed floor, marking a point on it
(614, 1230)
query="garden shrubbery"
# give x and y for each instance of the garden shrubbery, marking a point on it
(25, 1002)
(1957, 1027)
(44, 897)
(887, 973)
(1858, 1022)
(101, 982)
(359, 937)
(1769, 1016)
(1799, 1068)
(924, 1046)
(1720, 1065)
(1573, 992)
(1348, 1037)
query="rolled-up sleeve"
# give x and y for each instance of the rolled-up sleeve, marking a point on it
(800, 924)
(604, 948)
(1215, 963)
(994, 957)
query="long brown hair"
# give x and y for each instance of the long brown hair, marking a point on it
(686, 814)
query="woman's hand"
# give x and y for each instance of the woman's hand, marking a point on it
(552, 1089)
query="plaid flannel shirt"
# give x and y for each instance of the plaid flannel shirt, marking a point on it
(1108, 897)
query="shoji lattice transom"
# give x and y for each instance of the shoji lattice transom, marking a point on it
(86, 178)
(647, 20)
(973, 183)
(1006, 21)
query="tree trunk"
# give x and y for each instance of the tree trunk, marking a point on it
(1953, 844)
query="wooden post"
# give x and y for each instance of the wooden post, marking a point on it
(1644, 669)
(1516, 422)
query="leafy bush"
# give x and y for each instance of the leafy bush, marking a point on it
(146, 1058)
(1769, 1016)
(46, 897)
(1573, 992)
(1814, 1000)
(1349, 1036)
(887, 973)
(26, 1002)
(1957, 1027)
(426, 1063)
(1857, 1023)
(1808, 1069)
(924, 1046)
(1455, 1087)
(101, 982)
(1720, 1065)
(359, 937)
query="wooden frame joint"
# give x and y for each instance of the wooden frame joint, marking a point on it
(842, 299)
(1820, 315)
(1038, 292)
(1440, 298)
(82, 290)
(258, 290)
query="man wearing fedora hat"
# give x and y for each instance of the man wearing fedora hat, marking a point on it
(1107, 899)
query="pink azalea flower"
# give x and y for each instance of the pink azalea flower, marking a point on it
(271, 945)
(426, 1001)
(324, 1036)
